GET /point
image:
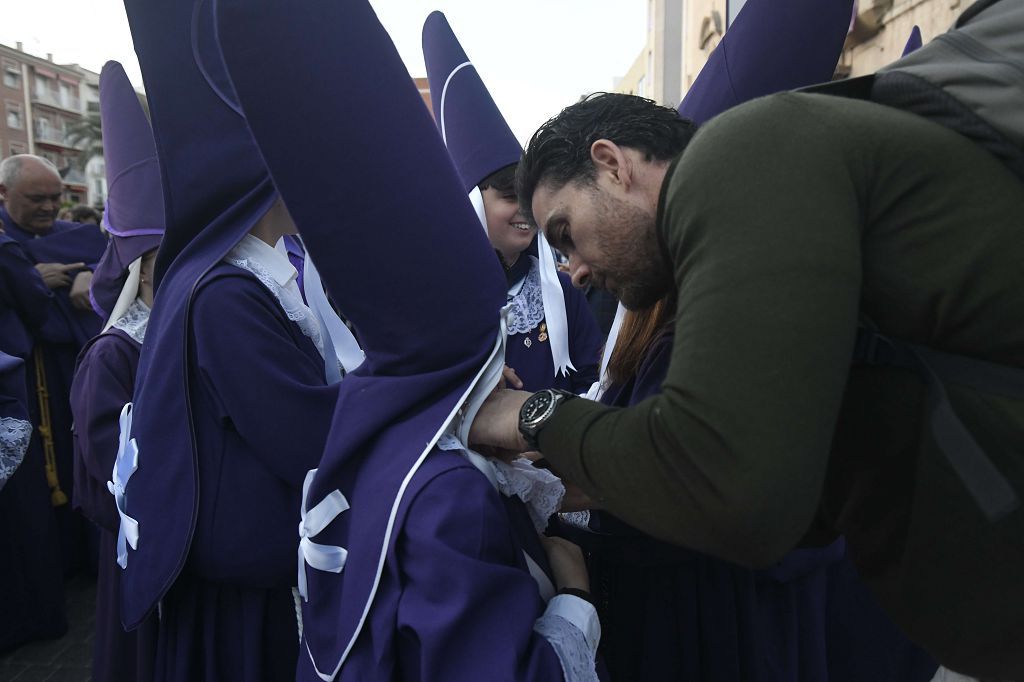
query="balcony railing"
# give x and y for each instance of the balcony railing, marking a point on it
(54, 100)
(55, 136)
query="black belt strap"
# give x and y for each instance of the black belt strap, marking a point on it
(990, 489)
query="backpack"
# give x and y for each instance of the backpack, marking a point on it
(971, 80)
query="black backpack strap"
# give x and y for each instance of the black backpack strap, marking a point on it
(990, 489)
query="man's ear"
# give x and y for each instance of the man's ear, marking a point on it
(608, 158)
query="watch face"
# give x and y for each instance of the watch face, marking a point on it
(536, 406)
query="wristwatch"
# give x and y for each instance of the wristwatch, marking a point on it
(537, 410)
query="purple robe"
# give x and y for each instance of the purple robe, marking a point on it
(529, 353)
(61, 337)
(31, 580)
(456, 600)
(674, 614)
(104, 381)
(24, 299)
(260, 410)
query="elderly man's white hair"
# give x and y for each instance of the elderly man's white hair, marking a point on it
(10, 168)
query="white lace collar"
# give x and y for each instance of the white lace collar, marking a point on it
(135, 321)
(273, 261)
(526, 302)
(277, 274)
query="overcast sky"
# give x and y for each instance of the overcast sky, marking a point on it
(536, 56)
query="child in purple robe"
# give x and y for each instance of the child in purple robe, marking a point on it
(553, 338)
(121, 290)
(103, 385)
(412, 566)
(232, 402)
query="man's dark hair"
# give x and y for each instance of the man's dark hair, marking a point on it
(503, 180)
(559, 152)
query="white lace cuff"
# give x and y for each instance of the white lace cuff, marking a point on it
(14, 438)
(571, 626)
(577, 519)
(539, 489)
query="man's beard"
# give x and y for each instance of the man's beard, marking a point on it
(639, 272)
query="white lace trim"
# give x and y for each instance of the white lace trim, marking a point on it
(135, 320)
(526, 309)
(539, 489)
(576, 519)
(290, 301)
(14, 438)
(575, 654)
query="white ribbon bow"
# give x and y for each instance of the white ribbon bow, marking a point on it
(321, 557)
(125, 464)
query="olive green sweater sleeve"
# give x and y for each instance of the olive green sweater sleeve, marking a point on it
(761, 220)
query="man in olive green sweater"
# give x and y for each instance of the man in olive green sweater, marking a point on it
(782, 223)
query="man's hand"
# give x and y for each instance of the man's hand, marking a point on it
(79, 293)
(55, 275)
(497, 423)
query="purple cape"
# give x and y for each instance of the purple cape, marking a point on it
(215, 188)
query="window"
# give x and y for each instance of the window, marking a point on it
(14, 119)
(18, 148)
(12, 74)
(43, 88)
(641, 87)
(734, 7)
(68, 96)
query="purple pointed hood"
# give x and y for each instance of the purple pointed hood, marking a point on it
(913, 42)
(215, 188)
(403, 202)
(476, 134)
(134, 215)
(773, 45)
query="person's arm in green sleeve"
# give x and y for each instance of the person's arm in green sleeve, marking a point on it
(762, 225)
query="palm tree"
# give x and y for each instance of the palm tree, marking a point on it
(85, 135)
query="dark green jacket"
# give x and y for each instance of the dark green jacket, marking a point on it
(786, 219)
